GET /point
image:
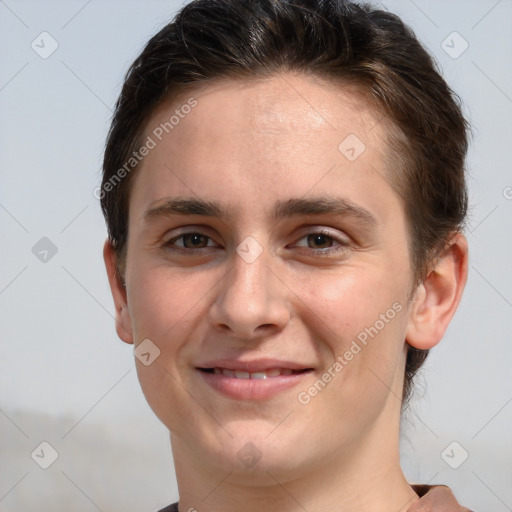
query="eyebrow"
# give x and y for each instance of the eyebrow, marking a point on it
(293, 207)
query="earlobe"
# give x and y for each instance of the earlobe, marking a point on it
(123, 318)
(438, 296)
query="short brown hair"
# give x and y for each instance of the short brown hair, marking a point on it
(332, 39)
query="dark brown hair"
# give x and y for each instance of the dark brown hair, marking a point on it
(334, 40)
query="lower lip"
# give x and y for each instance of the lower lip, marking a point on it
(252, 389)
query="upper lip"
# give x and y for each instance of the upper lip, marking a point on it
(255, 365)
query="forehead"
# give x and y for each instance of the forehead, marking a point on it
(287, 102)
(250, 142)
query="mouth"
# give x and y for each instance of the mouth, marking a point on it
(259, 375)
(260, 382)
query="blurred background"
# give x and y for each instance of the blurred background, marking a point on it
(67, 381)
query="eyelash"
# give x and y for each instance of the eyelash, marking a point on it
(319, 252)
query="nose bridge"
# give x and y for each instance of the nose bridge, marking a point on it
(250, 271)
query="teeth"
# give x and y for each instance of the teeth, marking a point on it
(274, 372)
(258, 375)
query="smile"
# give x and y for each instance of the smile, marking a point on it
(254, 385)
(267, 374)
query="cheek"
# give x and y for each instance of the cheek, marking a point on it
(360, 319)
(166, 304)
(169, 307)
(342, 304)
(165, 301)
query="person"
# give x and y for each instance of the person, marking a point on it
(284, 191)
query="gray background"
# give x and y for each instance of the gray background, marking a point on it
(65, 376)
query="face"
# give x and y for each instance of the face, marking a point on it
(296, 269)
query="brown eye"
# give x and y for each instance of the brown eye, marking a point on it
(323, 243)
(189, 242)
(320, 239)
(194, 240)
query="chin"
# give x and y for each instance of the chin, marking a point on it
(255, 455)
(260, 468)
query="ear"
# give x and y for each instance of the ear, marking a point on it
(123, 318)
(438, 296)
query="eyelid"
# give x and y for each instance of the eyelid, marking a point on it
(191, 229)
(343, 244)
(311, 230)
(325, 231)
(176, 237)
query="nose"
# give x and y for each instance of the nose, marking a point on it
(252, 302)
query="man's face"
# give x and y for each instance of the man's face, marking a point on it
(295, 293)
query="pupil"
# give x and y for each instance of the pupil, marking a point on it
(320, 239)
(195, 239)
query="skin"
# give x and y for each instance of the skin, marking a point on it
(246, 146)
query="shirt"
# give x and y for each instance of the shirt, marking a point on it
(433, 498)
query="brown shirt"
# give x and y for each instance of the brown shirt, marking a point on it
(433, 498)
